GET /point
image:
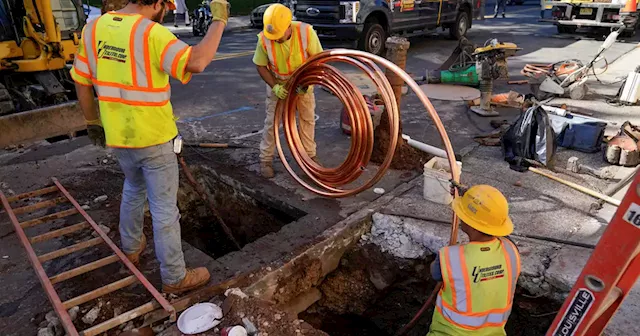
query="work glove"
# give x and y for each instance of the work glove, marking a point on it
(280, 91)
(96, 132)
(302, 90)
(220, 10)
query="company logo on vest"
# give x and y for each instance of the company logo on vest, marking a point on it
(487, 273)
(113, 53)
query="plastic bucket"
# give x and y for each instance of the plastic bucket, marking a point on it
(437, 175)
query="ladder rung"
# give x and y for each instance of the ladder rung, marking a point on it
(48, 218)
(60, 232)
(44, 204)
(112, 287)
(69, 249)
(34, 193)
(83, 269)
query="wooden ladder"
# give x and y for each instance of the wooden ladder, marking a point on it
(47, 282)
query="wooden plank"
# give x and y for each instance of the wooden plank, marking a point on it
(48, 218)
(40, 205)
(69, 249)
(34, 193)
(60, 232)
(104, 290)
(121, 319)
(83, 269)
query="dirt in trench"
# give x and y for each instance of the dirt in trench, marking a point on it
(405, 157)
(356, 302)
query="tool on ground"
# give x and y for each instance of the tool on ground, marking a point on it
(48, 282)
(329, 182)
(567, 78)
(614, 188)
(574, 165)
(609, 275)
(577, 187)
(623, 148)
(203, 195)
(630, 91)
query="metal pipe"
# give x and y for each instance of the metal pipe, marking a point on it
(578, 187)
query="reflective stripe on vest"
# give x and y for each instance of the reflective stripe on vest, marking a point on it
(460, 312)
(472, 322)
(300, 32)
(132, 97)
(141, 93)
(171, 55)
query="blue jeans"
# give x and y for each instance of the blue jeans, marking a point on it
(152, 173)
(500, 4)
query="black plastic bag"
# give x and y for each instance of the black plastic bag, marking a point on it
(530, 137)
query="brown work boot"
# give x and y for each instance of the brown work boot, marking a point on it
(266, 169)
(193, 279)
(134, 257)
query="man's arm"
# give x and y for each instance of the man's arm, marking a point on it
(436, 271)
(87, 103)
(266, 75)
(203, 53)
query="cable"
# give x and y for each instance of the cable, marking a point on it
(328, 181)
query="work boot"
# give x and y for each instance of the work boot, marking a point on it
(134, 257)
(193, 279)
(266, 169)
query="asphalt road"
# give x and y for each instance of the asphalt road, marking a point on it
(227, 100)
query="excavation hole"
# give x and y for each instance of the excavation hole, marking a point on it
(249, 214)
(374, 293)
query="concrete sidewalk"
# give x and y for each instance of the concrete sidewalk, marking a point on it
(235, 23)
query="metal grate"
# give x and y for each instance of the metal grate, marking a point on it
(47, 282)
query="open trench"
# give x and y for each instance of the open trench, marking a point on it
(365, 291)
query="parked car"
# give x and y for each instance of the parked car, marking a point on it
(370, 22)
(257, 13)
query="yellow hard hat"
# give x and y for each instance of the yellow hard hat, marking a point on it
(485, 209)
(171, 4)
(277, 19)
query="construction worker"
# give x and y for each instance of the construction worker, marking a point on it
(127, 57)
(181, 8)
(283, 46)
(479, 278)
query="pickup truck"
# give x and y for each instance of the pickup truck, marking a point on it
(370, 22)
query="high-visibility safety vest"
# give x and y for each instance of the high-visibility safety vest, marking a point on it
(128, 59)
(479, 281)
(283, 68)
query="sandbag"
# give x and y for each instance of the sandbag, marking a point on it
(530, 137)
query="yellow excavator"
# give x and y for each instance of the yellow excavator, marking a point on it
(38, 42)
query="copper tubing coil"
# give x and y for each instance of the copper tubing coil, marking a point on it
(317, 71)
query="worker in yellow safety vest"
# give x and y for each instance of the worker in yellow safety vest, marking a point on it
(479, 278)
(283, 46)
(127, 57)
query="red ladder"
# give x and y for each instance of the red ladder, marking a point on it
(608, 276)
(48, 282)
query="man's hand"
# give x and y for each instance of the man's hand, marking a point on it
(280, 91)
(96, 132)
(302, 90)
(220, 10)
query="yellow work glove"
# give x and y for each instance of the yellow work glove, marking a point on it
(220, 10)
(280, 91)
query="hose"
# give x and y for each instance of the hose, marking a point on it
(329, 182)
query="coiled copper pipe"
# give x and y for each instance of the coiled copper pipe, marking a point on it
(316, 71)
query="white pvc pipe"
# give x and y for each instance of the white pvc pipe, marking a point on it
(424, 147)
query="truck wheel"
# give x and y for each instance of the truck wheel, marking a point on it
(373, 39)
(460, 28)
(566, 29)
